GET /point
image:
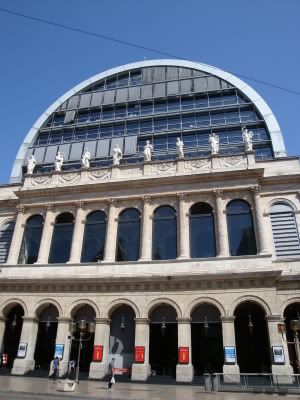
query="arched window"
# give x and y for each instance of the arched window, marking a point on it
(285, 232)
(128, 241)
(202, 231)
(164, 243)
(62, 238)
(31, 240)
(94, 237)
(6, 233)
(240, 228)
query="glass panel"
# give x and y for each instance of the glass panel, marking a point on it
(160, 125)
(146, 127)
(202, 236)
(120, 112)
(147, 108)
(187, 103)
(94, 237)
(31, 240)
(133, 110)
(62, 239)
(107, 113)
(128, 242)
(188, 121)
(160, 106)
(174, 105)
(201, 102)
(164, 245)
(215, 101)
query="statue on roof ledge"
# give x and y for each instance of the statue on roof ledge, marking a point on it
(117, 155)
(247, 138)
(31, 164)
(85, 160)
(148, 148)
(214, 143)
(59, 160)
(179, 147)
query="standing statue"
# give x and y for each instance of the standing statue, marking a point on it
(247, 138)
(59, 160)
(31, 164)
(85, 160)
(214, 143)
(179, 147)
(148, 148)
(117, 155)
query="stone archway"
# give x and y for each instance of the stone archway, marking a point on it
(13, 327)
(292, 312)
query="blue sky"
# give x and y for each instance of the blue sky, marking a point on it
(39, 63)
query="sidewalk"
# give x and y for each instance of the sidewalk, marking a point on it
(121, 391)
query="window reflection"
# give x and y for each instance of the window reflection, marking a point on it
(164, 243)
(31, 240)
(202, 231)
(240, 228)
(62, 239)
(128, 241)
(94, 237)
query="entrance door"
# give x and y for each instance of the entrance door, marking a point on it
(13, 329)
(163, 349)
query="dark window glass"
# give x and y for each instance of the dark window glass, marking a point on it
(55, 137)
(160, 125)
(128, 242)
(174, 105)
(83, 117)
(146, 126)
(94, 237)
(240, 228)
(31, 240)
(133, 110)
(160, 106)
(120, 112)
(202, 231)
(164, 243)
(62, 239)
(95, 115)
(263, 153)
(146, 108)
(107, 113)
(215, 101)
(201, 102)
(187, 103)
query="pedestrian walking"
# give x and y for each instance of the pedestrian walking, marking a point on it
(111, 377)
(54, 368)
(72, 371)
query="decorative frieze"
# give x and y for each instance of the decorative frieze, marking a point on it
(163, 168)
(41, 180)
(71, 177)
(233, 162)
(197, 165)
(100, 175)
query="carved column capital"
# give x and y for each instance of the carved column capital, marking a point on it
(21, 209)
(255, 190)
(218, 193)
(181, 196)
(80, 204)
(147, 199)
(48, 208)
(112, 202)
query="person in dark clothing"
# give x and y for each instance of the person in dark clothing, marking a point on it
(111, 378)
(55, 366)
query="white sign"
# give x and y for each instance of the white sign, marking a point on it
(22, 349)
(278, 354)
(229, 354)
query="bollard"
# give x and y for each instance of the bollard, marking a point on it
(207, 382)
(215, 381)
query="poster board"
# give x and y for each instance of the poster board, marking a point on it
(22, 350)
(229, 355)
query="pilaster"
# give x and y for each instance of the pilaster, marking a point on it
(141, 371)
(261, 242)
(2, 331)
(183, 228)
(63, 336)
(47, 234)
(184, 372)
(78, 233)
(221, 225)
(111, 232)
(146, 242)
(98, 370)
(17, 238)
(228, 334)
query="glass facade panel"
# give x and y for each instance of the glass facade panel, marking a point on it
(94, 237)
(31, 240)
(128, 241)
(202, 231)
(164, 240)
(240, 228)
(62, 239)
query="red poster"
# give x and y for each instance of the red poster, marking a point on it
(98, 353)
(183, 355)
(139, 354)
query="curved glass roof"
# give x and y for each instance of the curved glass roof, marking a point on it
(156, 100)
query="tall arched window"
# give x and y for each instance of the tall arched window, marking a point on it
(202, 231)
(240, 228)
(128, 241)
(164, 243)
(62, 238)
(6, 233)
(285, 232)
(94, 237)
(31, 240)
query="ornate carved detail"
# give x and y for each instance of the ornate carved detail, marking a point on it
(255, 189)
(112, 202)
(233, 162)
(194, 165)
(21, 209)
(181, 196)
(41, 180)
(147, 199)
(131, 171)
(100, 174)
(49, 208)
(71, 177)
(80, 204)
(164, 168)
(219, 193)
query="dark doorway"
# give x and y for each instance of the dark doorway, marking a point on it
(46, 338)
(292, 312)
(87, 314)
(251, 335)
(163, 350)
(12, 334)
(207, 342)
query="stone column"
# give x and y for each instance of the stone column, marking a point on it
(221, 226)
(184, 372)
(183, 232)
(146, 242)
(111, 232)
(228, 334)
(28, 335)
(46, 235)
(276, 339)
(141, 371)
(2, 331)
(98, 370)
(15, 247)
(63, 336)
(261, 239)
(78, 233)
